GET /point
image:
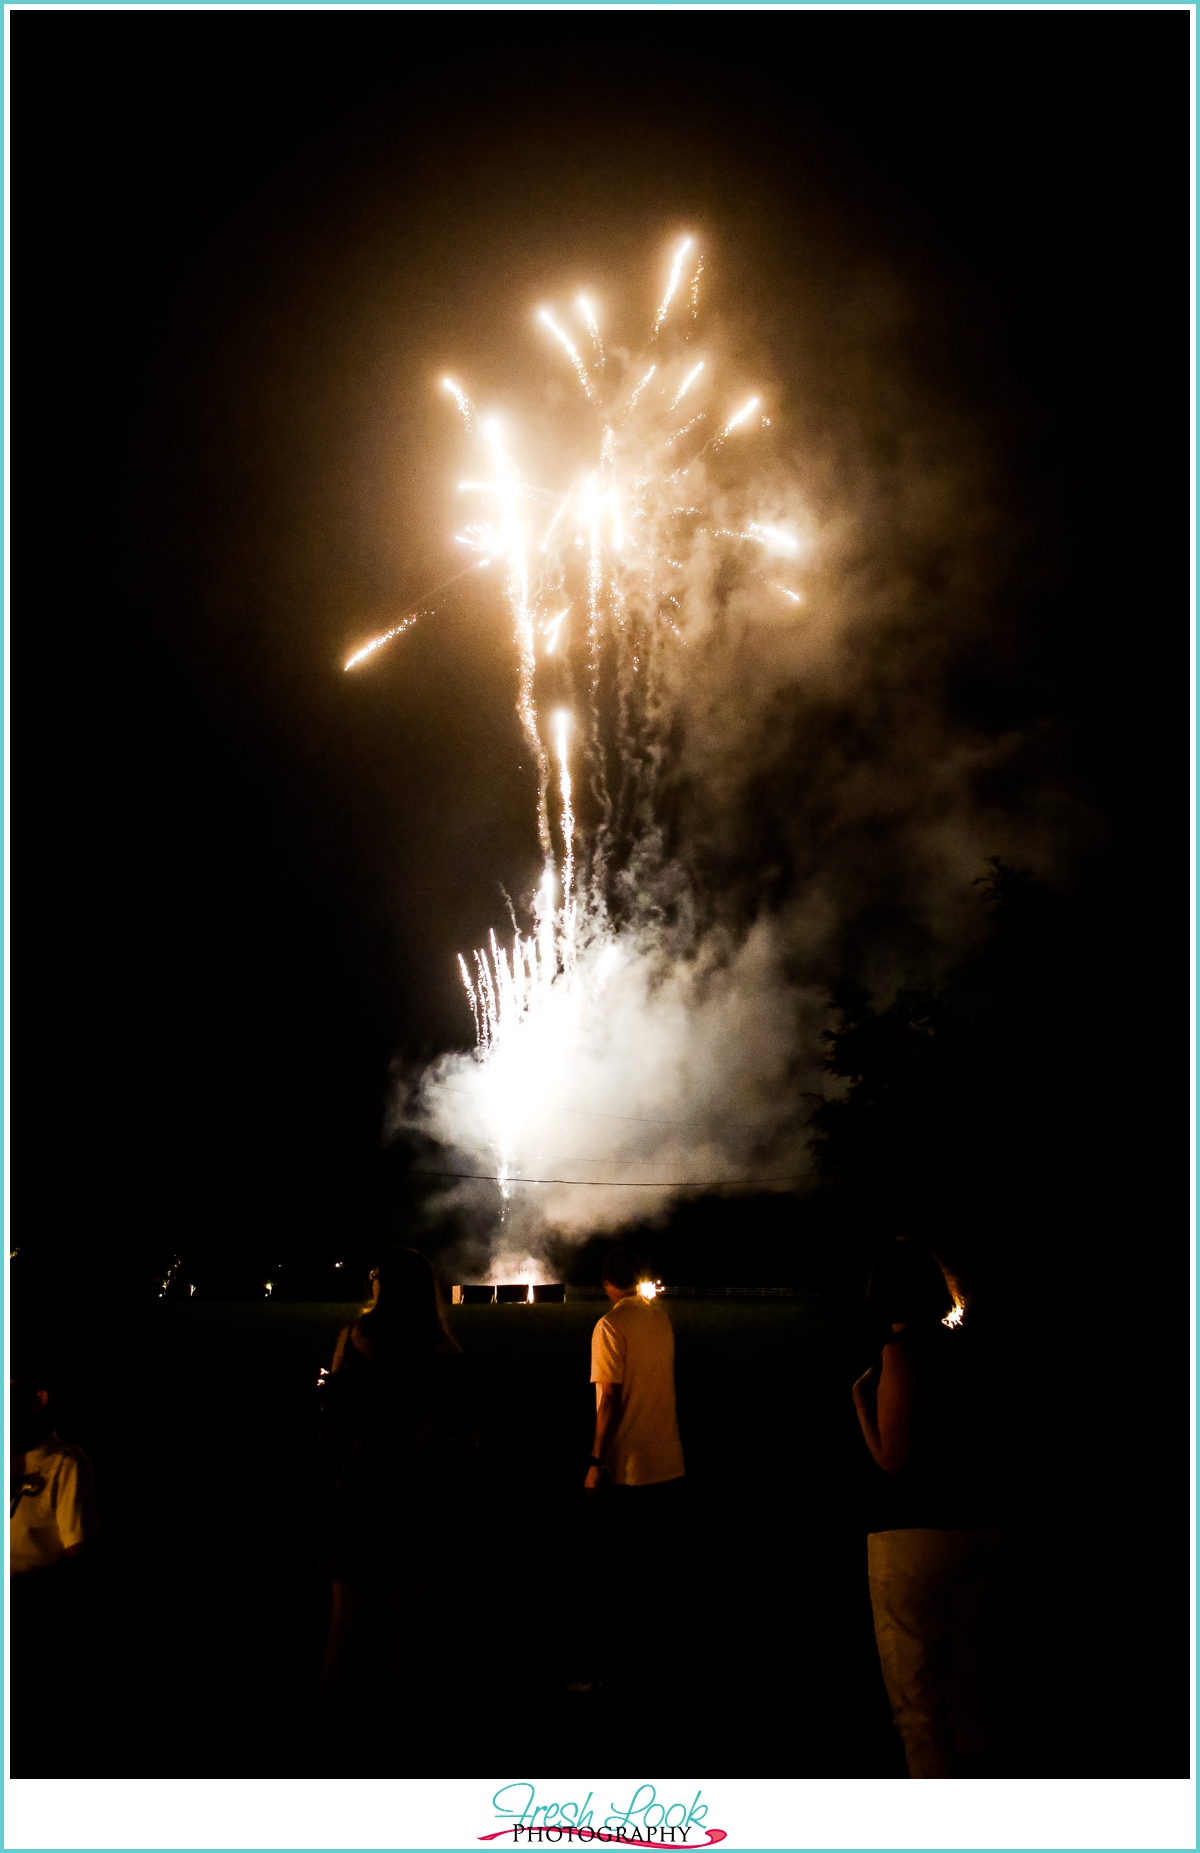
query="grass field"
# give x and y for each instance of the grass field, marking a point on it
(755, 1633)
(200, 1421)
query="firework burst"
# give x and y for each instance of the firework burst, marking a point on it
(612, 542)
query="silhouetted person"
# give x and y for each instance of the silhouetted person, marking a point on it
(52, 1508)
(932, 1542)
(636, 1469)
(398, 1420)
(53, 1533)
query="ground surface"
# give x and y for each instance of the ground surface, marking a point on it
(754, 1632)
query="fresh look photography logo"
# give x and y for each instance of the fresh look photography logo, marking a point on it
(646, 1820)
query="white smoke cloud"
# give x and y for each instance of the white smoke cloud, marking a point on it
(668, 1074)
(788, 768)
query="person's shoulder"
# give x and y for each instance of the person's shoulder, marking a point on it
(66, 1457)
(607, 1327)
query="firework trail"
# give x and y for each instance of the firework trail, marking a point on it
(377, 643)
(614, 542)
(673, 285)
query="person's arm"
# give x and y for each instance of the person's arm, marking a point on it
(608, 1411)
(339, 1350)
(887, 1427)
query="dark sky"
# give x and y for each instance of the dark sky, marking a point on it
(244, 245)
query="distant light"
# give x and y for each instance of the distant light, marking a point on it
(649, 1289)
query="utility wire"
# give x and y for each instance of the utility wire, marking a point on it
(596, 1183)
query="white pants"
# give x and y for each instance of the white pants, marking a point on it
(928, 1595)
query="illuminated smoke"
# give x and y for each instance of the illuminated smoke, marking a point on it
(579, 1022)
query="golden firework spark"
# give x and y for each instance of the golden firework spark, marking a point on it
(377, 643)
(593, 328)
(739, 418)
(641, 386)
(695, 373)
(544, 315)
(463, 403)
(673, 284)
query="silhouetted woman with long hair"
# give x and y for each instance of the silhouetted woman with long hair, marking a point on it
(398, 1423)
(931, 1542)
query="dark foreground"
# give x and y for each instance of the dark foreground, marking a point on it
(757, 1647)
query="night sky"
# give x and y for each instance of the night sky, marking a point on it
(246, 247)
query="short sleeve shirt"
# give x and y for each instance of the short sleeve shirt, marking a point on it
(52, 1505)
(634, 1345)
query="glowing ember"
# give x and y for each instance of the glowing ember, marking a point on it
(955, 1315)
(377, 643)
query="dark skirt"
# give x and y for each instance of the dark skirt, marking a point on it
(394, 1516)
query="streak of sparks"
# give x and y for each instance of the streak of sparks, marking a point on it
(554, 523)
(552, 628)
(673, 284)
(775, 539)
(641, 386)
(695, 372)
(377, 643)
(593, 506)
(593, 328)
(695, 300)
(562, 728)
(739, 418)
(463, 403)
(544, 315)
(506, 490)
(684, 429)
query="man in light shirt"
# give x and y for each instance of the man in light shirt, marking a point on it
(637, 1444)
(635, 1476)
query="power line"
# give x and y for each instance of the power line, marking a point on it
(619, 1183)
